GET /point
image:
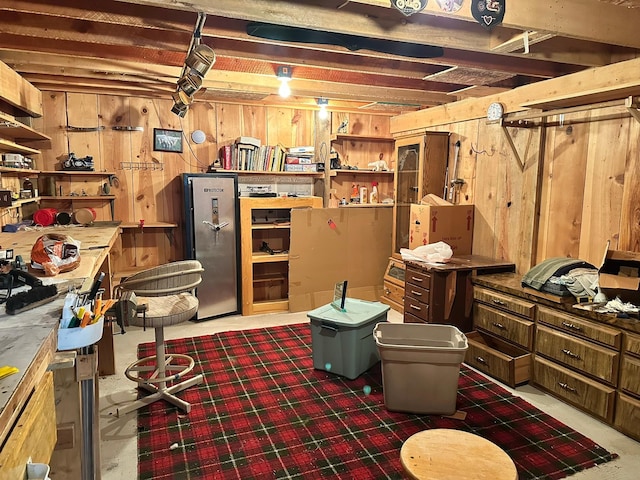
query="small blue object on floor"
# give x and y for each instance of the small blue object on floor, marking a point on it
(342, 341)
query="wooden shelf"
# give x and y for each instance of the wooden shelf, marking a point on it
(76, 172)
(262, 172)
(8, 146)
(263, 257)
(270, 226)
(361, 138)
(148, 225)
(19, 132)
(23, 201)
(79, 197)
(358, 172)
(19, 171)
(366, 205)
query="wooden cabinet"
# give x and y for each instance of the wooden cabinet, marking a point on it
(356, 153)
(589, 360)
(265, 224)
(442, 293)
(420, 169)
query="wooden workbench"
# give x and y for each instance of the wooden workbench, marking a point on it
(28, 341)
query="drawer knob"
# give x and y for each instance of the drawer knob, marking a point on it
(571, 326)
(566, 387)
(417, 294)
(498, 302)
(387, 291)
(479, 359)
(416, 279)
(499, 325)
(415, 307)
(569, 353)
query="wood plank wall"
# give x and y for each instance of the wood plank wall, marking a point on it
(152, 189)
(579, 187)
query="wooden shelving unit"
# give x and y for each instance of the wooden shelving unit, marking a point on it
(265, 276)
(359, 151)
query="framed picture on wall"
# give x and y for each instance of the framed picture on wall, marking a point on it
(167, 140)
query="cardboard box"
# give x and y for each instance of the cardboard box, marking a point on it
(452, 224)
(329, 245)
(619, 276)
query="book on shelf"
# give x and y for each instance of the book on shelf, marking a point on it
(244, 140)
(298, 159)
(302, 167)
(308, 150)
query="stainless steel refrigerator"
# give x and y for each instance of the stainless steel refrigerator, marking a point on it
(212, 237)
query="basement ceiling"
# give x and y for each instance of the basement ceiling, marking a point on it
(138, 48)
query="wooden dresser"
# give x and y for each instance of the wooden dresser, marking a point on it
(442, 293)
(589, 360)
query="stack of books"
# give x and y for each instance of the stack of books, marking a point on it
(248, 153)
(301, 159)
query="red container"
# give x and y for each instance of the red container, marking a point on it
(45, 216)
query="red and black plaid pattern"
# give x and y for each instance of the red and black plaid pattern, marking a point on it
(263, 412)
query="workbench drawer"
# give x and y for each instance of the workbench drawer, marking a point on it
(498, 358)
(599, 362)
(580, 327)
(506, 303)
(627, 417)
(416, 307)
(417, 278)
(594, 397)
(507, 326)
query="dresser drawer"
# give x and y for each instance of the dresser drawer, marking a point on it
(582, 355)
(418, 293)
(577, 326)
(630, 375)
(394, 292)
(418, 278)
(504, 325)
(628, 415)
(416, 307)
(594, 397)
(500, 359)
(408, 318)
(632, 344)
(504, 302)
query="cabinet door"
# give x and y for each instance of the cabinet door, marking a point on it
(420, 169)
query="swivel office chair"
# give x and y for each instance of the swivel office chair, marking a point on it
(164, 296)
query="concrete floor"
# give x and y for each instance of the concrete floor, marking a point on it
(118, 435)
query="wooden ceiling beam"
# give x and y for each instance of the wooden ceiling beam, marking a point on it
(583, 19)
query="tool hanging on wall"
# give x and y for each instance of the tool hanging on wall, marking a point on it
(456, 182)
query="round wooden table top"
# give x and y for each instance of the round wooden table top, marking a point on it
(444, 454)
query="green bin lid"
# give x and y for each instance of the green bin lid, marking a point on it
(357, 312)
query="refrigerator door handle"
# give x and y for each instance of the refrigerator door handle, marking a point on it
(215, 226)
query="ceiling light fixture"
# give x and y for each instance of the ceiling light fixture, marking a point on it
(323, 103)
(284, 75)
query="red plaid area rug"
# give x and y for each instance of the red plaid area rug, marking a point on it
(263, 412)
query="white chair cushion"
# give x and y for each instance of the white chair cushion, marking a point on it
(167, 310)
